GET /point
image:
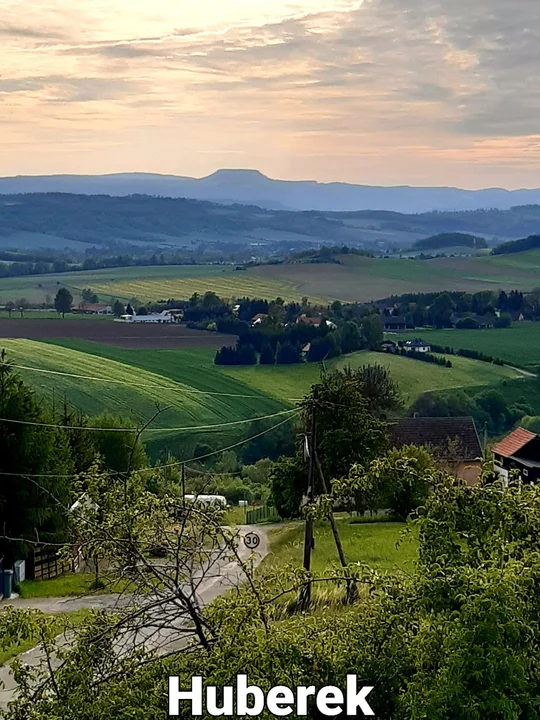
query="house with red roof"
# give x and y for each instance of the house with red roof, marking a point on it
(518, 452)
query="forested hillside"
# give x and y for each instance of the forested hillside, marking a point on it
(58, 220)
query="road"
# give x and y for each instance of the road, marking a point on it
(224, 575)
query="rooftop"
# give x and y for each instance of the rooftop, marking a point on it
(514, 442)
(438, 433)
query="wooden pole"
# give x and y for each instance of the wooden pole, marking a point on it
(352, 590)
(305, 595)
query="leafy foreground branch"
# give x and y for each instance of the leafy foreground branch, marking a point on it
(458, 638)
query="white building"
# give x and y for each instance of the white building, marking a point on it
(153, 318)
(418, 345)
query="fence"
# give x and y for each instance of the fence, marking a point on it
(262, 514)
(46, 565)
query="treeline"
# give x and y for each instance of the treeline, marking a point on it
(425, 357)
(447, 309)
(464, 352)
(298, 342)
(448, 240)
(532, 242)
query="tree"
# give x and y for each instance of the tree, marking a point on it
(120, 451)
(350, 338)
(267, 356)
(118, 308)
(63, 301)
(142, 310)
(287, 354)
(347, 433)
(441, 310)
(503, 321)
(379, 390)
(26, 510)
(89, 297)
(22, 305)
(10, 307)
(373, 330)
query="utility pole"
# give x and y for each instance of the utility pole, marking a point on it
(352, 590)
(309, 540)
(183, 485)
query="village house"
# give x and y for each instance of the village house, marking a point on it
(453, 441)
(519, 452)
(394, 323)
(417, 345)
(93, 309)
(317, 321)
(483, 321)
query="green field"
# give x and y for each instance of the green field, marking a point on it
(134, 383)
(197, 392)
(518, 344)
(355, 279)
(412, 376)
(382, 546)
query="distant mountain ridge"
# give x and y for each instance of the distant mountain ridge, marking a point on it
(251, 187)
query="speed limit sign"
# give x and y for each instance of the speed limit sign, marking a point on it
(252, 540)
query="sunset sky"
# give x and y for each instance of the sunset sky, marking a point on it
(419, 92)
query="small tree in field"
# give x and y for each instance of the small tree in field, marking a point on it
(22, 305)
(63, 301)
(118, 308)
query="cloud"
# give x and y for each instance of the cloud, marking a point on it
(24, 31)
(441, 74)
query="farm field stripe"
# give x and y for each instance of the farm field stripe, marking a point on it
(125, 382)
(148, 430)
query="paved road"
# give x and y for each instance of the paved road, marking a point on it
(223, 576)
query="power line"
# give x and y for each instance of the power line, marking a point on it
(168, 465)
(230, 447)
(149, 430)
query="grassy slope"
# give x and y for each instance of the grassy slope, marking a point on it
(519, 344)
(370, 543)
(163, 377)
(365, 279)
(413, 377)
(356, 279)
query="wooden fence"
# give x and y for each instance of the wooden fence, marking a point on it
(46, 564)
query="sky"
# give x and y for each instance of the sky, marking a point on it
(380, 92)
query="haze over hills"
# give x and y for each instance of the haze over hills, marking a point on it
(56, 220)
(250, 187)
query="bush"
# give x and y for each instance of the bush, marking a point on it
(268, 356)
(288, 354)
(467, 324)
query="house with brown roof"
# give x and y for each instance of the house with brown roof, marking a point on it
(93, 309)
(453, 441)
(518, 452)
(317, 321)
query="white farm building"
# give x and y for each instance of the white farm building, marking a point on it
(154, 318)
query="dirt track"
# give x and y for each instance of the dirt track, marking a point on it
(136, 336)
